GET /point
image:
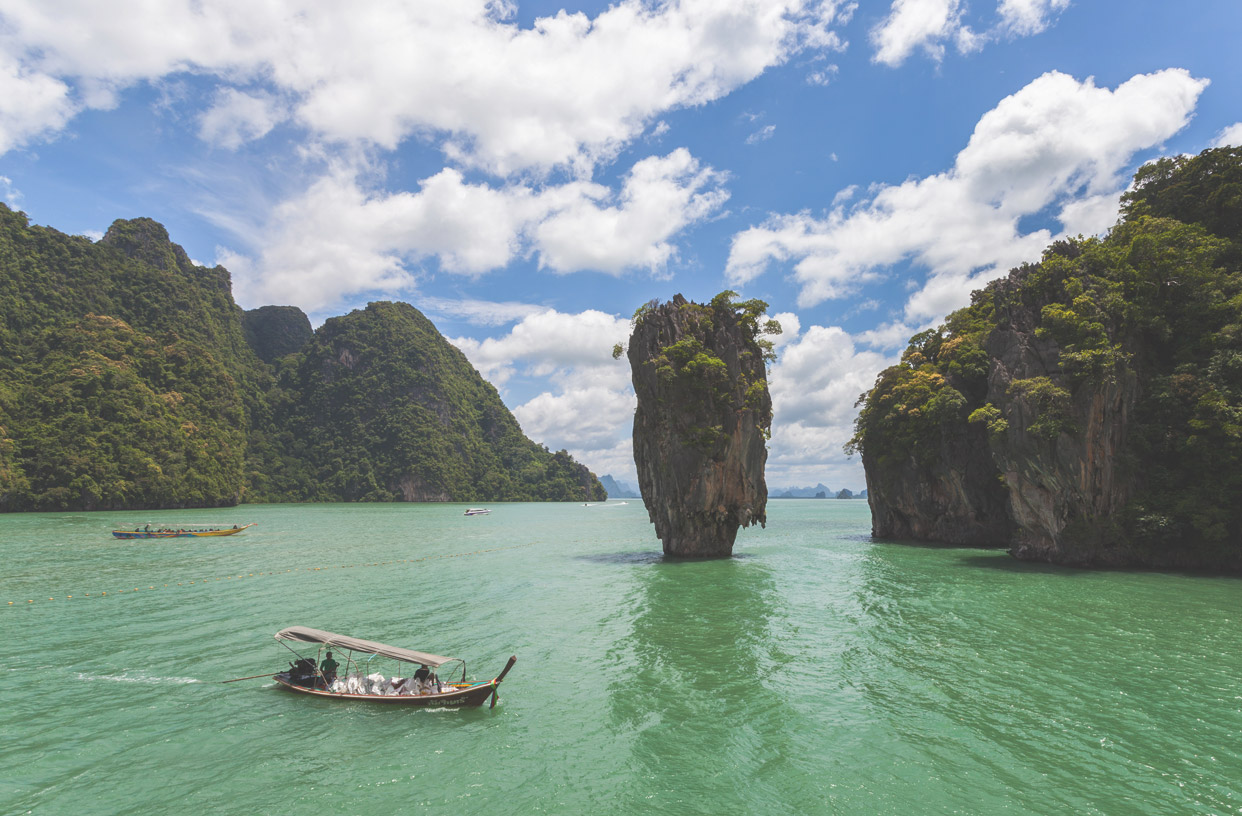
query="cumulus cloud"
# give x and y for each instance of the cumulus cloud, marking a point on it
(1056, 146)
(342, 236)
(928, 25)
(914, 24)
(235, 118)
(32, 104)
(1229, 137)
(590, 409)
(569, 91)
(660, 197)
(552, 343)
(815, 383)
(1023, 18)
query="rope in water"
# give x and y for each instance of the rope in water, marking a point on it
(29, 601)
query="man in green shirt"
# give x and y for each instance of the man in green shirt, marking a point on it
(328, 667)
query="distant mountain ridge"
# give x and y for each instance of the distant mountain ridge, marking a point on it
(130, 379)
(819, 491)
(618, 490)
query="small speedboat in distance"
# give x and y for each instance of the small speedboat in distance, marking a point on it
(182, 531)
(477, 511)
(350, 679)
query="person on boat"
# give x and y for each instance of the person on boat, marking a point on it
(328, 668)
(148, 528)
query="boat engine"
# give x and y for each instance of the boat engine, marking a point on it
(302, 672)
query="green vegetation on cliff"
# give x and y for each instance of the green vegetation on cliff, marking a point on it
(1147, 320)
(129, 378)
(385, 408)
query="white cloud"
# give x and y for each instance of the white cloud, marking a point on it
(1229, 137)
(913, 24)
(1056, 145)
(928, 25)
(478, 312)
(569, 91)
(1023, 18)
(342, 237)
(236, 117)
(552, 343)
(815, 383)
(823, 76)
(32, 104)
(590, 409)
(12, 196)
(660, 197)
(763, 134)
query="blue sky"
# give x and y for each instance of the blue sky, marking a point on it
(528, 174)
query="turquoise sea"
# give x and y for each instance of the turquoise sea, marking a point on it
(817, 672)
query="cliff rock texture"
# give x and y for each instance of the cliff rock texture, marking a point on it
(1083, 410)
(701, 426)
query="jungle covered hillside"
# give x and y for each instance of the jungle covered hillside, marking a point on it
(130, 379)
(1087, 408)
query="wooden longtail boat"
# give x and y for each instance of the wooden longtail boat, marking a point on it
(185, 531)
(351, 681)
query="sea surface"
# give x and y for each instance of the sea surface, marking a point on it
(816, 672)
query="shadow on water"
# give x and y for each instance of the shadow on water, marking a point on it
(1018, 566)
(652, 557)
(694, 699)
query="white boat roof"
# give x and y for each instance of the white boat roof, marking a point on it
(305, 634)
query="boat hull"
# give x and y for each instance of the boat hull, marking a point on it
(179, 533)
(469, 697)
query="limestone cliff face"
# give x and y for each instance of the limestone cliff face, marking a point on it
(1046, 491)
(1081, 411)
(701, 425)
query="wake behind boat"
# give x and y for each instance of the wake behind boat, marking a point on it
(183, 531)
(350, 679)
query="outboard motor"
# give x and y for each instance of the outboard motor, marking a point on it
(302, 672)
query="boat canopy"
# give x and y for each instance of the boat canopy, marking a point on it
(305, 634)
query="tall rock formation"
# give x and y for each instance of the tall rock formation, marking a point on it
(1085, 409)
(702, 422)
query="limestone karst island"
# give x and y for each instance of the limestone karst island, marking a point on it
(130, 379)
(1086, 409)
(703, 419)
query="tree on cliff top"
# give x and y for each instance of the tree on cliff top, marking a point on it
(1159, 302)
(703, 418)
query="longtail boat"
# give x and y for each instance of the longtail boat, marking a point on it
(183, 531)
(355, 678)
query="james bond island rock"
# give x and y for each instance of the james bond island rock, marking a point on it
(701, 426)
(1086, 409)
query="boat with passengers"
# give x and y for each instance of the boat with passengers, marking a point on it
(350, 673)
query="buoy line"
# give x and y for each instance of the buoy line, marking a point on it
(150, 587)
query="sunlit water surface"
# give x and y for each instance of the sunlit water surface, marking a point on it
(817, 672)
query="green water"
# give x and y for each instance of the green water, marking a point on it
(818, 672)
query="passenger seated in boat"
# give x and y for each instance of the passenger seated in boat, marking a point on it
(329, 667)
